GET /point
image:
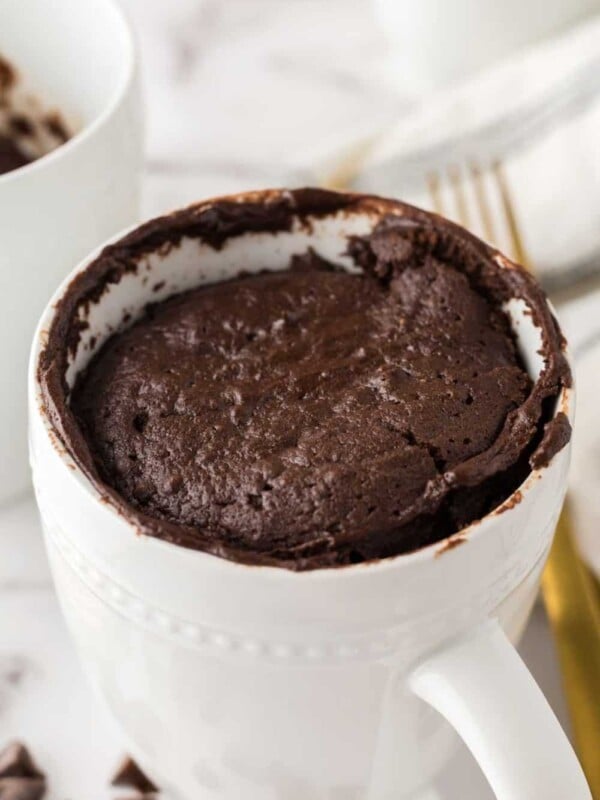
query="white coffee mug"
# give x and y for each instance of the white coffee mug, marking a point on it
(233, 681)
(78, 57)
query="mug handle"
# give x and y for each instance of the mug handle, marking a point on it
(482, 687)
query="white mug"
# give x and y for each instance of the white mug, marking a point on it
(234, 681)
(80, 58)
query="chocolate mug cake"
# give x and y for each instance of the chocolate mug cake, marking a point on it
(28, 131)
(313, 416)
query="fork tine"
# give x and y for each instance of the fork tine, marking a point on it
(479, 199)
(482, 201)
(460, 199)
(516, 240)
(433, 184)
(453, 194)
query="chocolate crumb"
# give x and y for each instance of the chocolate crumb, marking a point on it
(511, 503)
(20, 778)
(130, 775)
(16, 762)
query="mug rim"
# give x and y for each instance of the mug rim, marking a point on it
(131, 58)
(473, 531)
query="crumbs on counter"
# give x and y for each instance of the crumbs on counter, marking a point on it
(131, 776)
(20, 778)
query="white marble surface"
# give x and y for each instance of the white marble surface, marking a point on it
(243, 94)
(237, 90)
(254, 93)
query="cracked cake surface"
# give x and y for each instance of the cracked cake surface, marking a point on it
(315, 417)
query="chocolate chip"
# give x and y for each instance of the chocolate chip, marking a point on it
(16, 762)
(20, 778)
(130, 775)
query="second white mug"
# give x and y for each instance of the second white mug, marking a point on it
(80, 58)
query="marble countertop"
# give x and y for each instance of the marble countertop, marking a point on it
(236, 93)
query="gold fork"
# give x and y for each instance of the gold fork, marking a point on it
(479, 198)
(568, 587)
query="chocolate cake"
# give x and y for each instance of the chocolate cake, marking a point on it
(28, 131)
(315, 417)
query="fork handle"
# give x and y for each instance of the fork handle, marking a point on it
(483, 688)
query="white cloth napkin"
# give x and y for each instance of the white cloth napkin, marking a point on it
(540, 112)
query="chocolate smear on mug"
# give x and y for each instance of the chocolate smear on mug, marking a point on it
(451, 544)
(557, 432)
